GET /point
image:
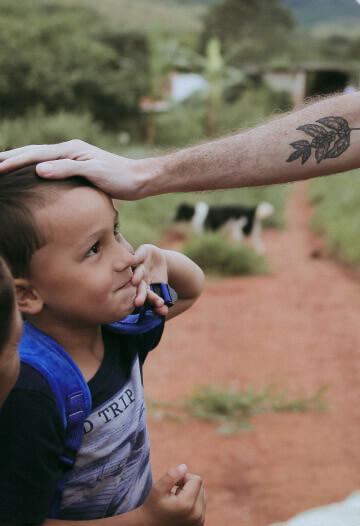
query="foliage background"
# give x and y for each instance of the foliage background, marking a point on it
(79, 69)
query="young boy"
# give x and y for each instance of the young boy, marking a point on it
(10, 332)
(75, 273)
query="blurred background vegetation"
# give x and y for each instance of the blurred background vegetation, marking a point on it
(104, 72)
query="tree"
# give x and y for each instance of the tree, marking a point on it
(59, 58)
(250, 30)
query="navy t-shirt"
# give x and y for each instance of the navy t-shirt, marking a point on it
(32, 437)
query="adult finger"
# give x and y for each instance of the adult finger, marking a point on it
(61, 168)
(17, 157)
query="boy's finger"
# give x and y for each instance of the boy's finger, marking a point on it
(157, 302)
(192, 487)
(138, 274)
(170, 479)
(162, 311)
(154, 299)
(202, 503)
(140, 255)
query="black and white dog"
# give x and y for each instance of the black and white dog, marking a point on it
(237, 221)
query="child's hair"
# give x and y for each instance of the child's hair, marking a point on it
(22, 191)
(7, 303)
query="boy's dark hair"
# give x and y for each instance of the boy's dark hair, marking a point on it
(22, 191)
(7, 303)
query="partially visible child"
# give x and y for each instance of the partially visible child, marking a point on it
(74, 273)
(10, 332)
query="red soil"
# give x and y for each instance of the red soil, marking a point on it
(299, 327)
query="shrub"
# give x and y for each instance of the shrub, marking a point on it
(253, 106)
(37, 127)
(337, 214)
(213, 253)
(182, 125)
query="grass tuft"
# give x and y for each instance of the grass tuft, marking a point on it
(233, 408)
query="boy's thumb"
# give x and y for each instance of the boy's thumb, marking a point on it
(170, 478)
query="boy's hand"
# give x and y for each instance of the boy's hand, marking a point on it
(150, 267)
(177, 499)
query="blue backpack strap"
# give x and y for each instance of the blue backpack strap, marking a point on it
(144, 319)
(71, 393)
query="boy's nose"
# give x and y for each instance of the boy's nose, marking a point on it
(123, 258)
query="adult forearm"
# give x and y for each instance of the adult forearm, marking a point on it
(276, 152)
(260, 156)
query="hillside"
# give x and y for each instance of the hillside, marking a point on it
(176, 18)
(183, 18)
(312, 12)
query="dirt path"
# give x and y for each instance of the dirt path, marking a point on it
(300, 327)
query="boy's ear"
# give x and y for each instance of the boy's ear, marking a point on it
(28, 298)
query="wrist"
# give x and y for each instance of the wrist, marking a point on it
(143, 516)
(149, 174)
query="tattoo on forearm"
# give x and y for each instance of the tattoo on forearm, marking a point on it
(327, 143)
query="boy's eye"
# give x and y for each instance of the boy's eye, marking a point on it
(93, 250)
(116, 230)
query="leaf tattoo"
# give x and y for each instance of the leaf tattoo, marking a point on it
(302, 149)
(329, 140)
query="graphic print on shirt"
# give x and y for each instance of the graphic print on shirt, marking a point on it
(112, 473)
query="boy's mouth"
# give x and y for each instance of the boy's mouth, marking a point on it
(125, 286)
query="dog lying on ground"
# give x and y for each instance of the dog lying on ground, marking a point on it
(238, 221)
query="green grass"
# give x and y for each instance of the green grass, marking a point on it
(232, 408)
(337, 214)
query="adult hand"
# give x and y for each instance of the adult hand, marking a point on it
(177, 499)
(119, 177)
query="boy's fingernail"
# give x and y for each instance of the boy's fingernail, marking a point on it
(182, 467)
(45, 168)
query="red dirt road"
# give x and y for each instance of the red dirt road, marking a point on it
(300, 327)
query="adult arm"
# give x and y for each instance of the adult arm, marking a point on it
(259, 156)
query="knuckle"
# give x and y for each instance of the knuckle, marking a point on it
(186, 508)
(76, 143)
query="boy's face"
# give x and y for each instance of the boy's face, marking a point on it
(83, 273)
